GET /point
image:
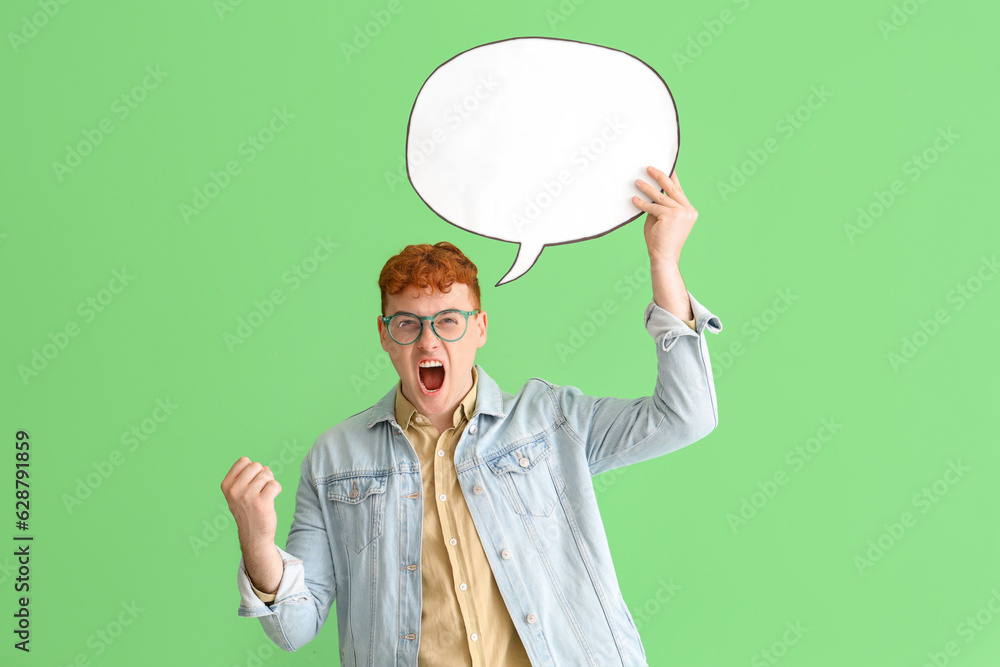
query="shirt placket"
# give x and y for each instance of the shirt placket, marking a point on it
(448, 491)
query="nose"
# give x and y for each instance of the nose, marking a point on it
(428, 339)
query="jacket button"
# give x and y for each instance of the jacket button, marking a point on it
(524, 462)
(477, 489)
(411, 567)
(505, 554)
(410, 636)
(532, 618)
(473, 429)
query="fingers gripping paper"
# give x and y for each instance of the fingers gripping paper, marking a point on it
(538, 141)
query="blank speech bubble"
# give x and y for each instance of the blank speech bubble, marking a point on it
(538, 141)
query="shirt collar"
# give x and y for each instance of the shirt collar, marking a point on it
(488, 400)
(405, 411)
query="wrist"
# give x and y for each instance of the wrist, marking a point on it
(665, 260)
(256, 545)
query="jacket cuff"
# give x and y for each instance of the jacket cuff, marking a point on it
(666, 328)
(265, 597)
(291, 589)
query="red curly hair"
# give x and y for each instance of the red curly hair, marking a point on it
(438, 266)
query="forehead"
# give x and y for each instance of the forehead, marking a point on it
(429, 300)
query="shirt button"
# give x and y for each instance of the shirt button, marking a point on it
(440, 452)
(524, 462)
(505, 554)
(532, 618)
(473, 429)
(419, 420)
(477, 489)
(453, 541)
(463, 586)
(475, 637)
(443, 497)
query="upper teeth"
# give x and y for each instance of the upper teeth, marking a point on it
(429, 364)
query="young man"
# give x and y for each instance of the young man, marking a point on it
(454, 523)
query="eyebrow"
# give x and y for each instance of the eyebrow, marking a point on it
(406, 312)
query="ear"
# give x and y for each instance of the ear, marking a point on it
(481, 326)
(382, 334)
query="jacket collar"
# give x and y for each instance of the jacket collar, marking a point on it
(489, 401)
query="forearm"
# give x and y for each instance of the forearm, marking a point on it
(669, 292)
(263, 565)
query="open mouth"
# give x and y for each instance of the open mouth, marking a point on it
(431, 375)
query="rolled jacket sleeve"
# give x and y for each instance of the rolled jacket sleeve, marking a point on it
(664, 325)
(291, 588)
(617, 432)
(266, 597)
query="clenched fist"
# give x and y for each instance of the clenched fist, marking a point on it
(250, 489)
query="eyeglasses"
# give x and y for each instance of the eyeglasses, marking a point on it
(448, 325)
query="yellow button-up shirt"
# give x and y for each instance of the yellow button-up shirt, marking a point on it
(465, 620)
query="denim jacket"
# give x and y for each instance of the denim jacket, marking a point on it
(524, 464)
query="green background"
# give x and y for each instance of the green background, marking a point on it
(156, 533)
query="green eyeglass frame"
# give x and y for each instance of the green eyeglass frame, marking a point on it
(386, 319)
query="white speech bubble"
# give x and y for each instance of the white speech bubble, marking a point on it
(538, 141)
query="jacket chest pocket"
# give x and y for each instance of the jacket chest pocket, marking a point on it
(525, 472)
(357, 503)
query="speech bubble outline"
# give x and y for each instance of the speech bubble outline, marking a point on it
(442, 200)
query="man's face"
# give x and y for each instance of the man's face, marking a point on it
(434, 390)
